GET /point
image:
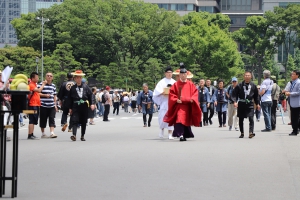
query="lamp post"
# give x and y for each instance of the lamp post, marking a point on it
(37, 64)
(43, 20)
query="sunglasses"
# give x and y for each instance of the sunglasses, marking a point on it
(234, 81)
(49, 75)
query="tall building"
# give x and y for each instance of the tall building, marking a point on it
(10, 9)
(239, 10)
(183, 7)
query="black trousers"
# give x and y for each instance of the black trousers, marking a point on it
(211, 110)
(251, 124)
(222, 118)
(79, 116)
(64, 117)
(106, 112)
(295, 119)
(205, 117)
(273, 114)
(116, 107)
(145, 119)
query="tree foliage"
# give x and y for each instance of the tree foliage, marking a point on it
(207, 49)
(256, 40)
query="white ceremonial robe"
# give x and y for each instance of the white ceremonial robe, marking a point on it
(162, 101)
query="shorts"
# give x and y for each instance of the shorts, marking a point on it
(47, 114)
(34, 118)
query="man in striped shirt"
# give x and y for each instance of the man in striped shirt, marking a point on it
(48, 106)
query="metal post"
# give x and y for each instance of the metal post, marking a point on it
(37, 64)
(43, 20)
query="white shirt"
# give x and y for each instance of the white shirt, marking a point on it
(158, 98)
(267, 84)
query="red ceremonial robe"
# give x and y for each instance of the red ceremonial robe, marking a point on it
(186, 113)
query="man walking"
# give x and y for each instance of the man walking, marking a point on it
(204, 101)
(245, 93)
(220, 100)
(184, 110)
(107, 103)
(266, 99)
(292, 90)
(232, 111)
(80, 99)
(275, 96)
(116, 99)
(34, 103)
(63, 97)
(145, 102)
(211, 108)
(161, 97)
(100, 104)
(48, 106)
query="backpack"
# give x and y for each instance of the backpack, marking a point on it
(275, 92)
(103, 99)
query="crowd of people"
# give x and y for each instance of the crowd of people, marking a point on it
(181, 103)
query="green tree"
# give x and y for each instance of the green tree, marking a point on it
(219, 19)
(206, 49)
(22, 59)
(256, 40)
(291, 64)
(285, 23)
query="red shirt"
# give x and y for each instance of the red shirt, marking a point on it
(35, 99)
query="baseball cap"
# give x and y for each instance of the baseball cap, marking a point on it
(107, 87)
(233, 79)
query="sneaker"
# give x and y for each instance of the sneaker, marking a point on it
(64, 127)
(22, 124)
(8, 139)
(32, 137)
(70, 130)
(237, 129)
(171, 137)
(161, 134)
(53, 135)
(230, 127)
(44, 136)
(92, 123)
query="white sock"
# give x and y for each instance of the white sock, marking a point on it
(43, 133)
(51, 133)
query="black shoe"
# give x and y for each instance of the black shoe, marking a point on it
(210, 122)
(241, 136)
(106, 120)
(31, 137)
(149, 124)
(200, 124)
(273, 129)
(266, 130)
(293, 134)
(182, 139)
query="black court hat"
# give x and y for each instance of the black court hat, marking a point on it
(182, 68)
(168, 68)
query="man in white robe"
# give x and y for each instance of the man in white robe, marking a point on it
(160, 97)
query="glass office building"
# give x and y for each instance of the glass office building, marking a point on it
(10, 9)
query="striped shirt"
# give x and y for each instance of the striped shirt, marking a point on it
(48, 89)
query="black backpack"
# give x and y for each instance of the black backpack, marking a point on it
(103, 100)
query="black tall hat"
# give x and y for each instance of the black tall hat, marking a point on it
(182, 68)
(168, 68)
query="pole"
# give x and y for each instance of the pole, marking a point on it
(42, 48)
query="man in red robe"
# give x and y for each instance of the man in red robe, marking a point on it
(184, 110)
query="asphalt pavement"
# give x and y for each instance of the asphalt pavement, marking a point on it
(123, 160)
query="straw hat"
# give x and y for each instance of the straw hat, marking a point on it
(176, 72)
(189, 74)
(78, 73)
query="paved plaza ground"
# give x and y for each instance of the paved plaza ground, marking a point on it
(123, 160)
